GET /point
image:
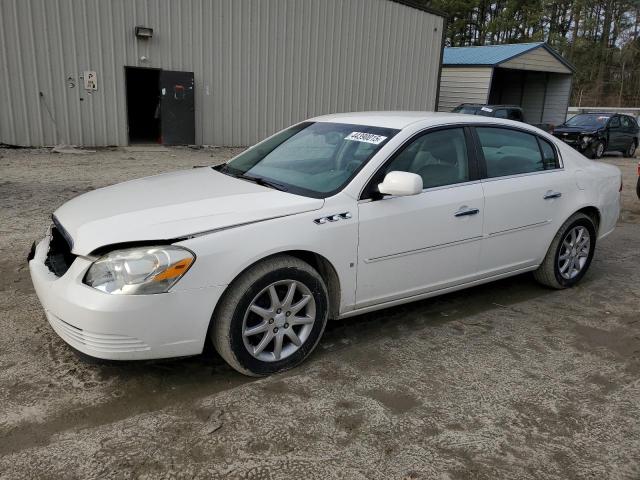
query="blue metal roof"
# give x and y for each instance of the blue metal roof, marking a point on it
(486, 54)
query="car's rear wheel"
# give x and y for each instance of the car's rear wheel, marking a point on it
(272, 316)
(570, 253)
(631, 150)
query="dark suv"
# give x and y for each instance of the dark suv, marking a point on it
(510, 112)
(595, 133)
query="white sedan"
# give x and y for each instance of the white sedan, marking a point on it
(333, 217)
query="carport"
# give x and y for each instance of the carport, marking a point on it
(530, 75)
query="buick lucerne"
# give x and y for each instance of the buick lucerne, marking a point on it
(333, 217)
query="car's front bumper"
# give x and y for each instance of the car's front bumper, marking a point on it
(121, 327)
(577, 144)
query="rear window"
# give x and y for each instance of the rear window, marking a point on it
(466, 109)
(512, 152)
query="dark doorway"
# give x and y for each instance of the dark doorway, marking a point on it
(160, 106)
(143, 104)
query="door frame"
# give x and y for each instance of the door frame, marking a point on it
(126, 103)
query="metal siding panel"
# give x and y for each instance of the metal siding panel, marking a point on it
(533, 96)
(557, 99)
(538, 59)
(7, 113)
(463, 85)
(259, 65)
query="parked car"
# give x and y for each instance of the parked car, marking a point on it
(638, 182)
(511, 112)
(595, 133)
(333, 217)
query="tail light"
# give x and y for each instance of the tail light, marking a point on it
(639, 169)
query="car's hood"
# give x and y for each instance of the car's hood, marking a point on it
(172, 205)
(566, 129)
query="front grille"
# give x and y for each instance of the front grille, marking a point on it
(569, 137)
(59, 257)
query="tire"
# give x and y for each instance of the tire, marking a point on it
(248, 306)
(597, 149)
(631, 150)
(550, 271)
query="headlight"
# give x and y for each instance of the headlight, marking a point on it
(138, 271)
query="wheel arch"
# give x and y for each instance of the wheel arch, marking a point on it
(593, 213)
(319, 262)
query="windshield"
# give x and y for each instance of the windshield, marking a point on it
(315, 159)
(588, 120)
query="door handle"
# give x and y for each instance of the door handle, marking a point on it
(551, 194)
(466, 211)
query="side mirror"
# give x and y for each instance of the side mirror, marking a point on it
(401, 184)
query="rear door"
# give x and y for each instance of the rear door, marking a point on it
(527, 196)
(177, 106)
(629, 130)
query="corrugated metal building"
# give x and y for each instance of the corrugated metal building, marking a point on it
(79, 72)
(531, 75)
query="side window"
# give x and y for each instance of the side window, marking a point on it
(549, 158)
(501, 113)
(625, 122)
(615, 122)
(509, 152)
(515, 114)
(439, 157)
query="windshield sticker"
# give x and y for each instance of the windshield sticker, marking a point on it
(486, 109)
(365, 137)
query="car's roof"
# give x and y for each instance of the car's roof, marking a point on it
(390, 119)
(400, 120)
(490, 105)
(598, 113)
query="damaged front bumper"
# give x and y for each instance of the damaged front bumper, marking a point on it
(120, 327)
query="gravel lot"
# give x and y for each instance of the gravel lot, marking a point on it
(506, 380)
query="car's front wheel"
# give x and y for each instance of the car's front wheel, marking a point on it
(272, 316)
(597, 149)
(570, 253)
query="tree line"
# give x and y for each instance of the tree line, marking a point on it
(599, 37)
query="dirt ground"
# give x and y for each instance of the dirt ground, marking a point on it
(506, 380)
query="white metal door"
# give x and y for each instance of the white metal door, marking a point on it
(412, 245)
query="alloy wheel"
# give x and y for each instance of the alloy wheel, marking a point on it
(279, 320)
(574, 252)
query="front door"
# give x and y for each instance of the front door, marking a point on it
(426, 242)
(617, 134)
(177, 107)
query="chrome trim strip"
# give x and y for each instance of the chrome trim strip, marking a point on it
(518, 175)
(421, 250)
(333, 218)
(517, 229)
